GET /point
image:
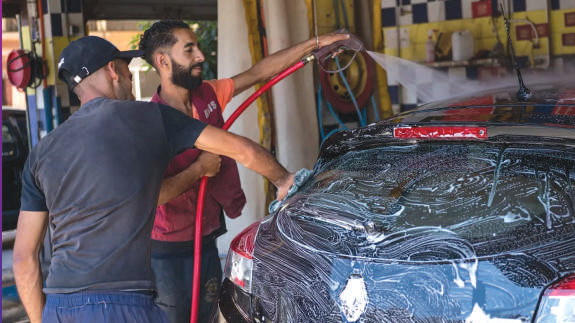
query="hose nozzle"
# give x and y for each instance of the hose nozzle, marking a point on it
(308, 58)
(352, 43)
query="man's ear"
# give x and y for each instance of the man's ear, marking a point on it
(161, 61)
(112, 69)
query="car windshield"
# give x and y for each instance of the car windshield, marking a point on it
(498, 197)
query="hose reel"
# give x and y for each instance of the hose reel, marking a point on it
(354, 66)
(359, 75)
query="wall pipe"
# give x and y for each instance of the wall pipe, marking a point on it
(40, 12)
(204, 182)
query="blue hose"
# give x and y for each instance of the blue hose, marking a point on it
(357, 110)
(375, 111)
(335, 116)
(320, 118)
(330, 133)
(344, 14)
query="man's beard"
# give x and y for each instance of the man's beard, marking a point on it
(183, 77)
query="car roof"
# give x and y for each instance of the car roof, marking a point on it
(549, 114)
(549, 105)
(541, 93)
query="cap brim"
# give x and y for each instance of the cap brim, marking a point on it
(130, 54)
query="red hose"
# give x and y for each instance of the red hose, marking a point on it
(259, 92)
(204, 182)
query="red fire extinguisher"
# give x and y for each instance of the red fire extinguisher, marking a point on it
(25, 69)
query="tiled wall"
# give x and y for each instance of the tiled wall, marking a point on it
(64, 23)
(406, 24)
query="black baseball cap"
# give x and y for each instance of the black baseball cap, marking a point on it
(86, 55)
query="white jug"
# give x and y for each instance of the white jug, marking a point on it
(462, 45)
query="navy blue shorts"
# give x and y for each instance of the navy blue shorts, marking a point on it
(174, 280)
(98, 307)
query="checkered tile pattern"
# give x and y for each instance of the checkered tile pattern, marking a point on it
(62, 18)
(528, 5)
(59, 14)
(407, 12)
(562, 4)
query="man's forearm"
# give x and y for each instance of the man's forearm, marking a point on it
(246, 152)
(28, 277)
(271, 65)
(173, 186)
(258, 159)
(279, 61)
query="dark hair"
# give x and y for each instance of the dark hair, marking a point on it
(159, 35)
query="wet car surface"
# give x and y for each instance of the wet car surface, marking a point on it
(458, 211)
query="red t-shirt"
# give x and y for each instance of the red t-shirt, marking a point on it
(175, 220)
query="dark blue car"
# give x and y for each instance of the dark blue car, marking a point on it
(14, 154)
(458, 211)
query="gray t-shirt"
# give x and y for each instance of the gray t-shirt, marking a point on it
(99, 176)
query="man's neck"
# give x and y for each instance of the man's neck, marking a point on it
(177, 97)
(91, 94)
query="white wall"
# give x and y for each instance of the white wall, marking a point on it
(294, 99)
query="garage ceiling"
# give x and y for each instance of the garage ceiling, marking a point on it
(134, 9)
(151, 9)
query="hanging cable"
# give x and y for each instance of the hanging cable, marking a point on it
(344, 11)
(374, 105)
(341, 125)
(336, 9)
(316, 34)
(319, 112)
(357, 110)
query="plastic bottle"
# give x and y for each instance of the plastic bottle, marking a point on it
(462, 45)
(430, 48)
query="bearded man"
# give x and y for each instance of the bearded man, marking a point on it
(171, 47)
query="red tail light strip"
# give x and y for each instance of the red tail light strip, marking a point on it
(440, 132)
(239, 282)
(243, 243)
(566, 287)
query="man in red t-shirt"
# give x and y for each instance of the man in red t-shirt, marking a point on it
(172, 48)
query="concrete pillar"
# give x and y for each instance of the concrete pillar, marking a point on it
(234, 57)
(294, 99)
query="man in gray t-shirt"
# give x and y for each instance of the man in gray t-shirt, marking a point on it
(95, 181)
